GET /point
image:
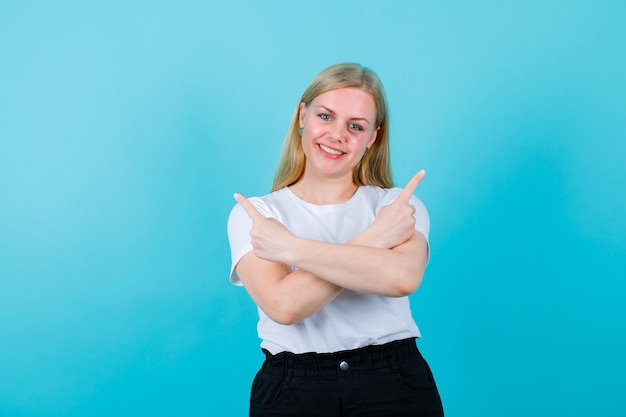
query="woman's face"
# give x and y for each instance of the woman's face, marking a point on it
(337, 128)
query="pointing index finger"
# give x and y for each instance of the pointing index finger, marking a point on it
(250, 209)
(409, 189)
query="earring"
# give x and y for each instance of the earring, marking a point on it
(365, 153)
(300, 131)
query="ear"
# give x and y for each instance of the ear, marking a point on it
(373, 138)
(302, 113)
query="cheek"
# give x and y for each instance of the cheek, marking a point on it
(358, 142)
(307, 141)
(315, 129)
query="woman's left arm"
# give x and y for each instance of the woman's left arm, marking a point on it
(391, 269)
(390, 272)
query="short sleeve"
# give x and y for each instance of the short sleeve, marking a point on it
(422, 219)
(239, 225)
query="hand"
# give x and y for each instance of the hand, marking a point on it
(269, 236)
(394, 224)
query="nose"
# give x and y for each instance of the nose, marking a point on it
(337, 132)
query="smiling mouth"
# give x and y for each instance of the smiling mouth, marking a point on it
(330, 151)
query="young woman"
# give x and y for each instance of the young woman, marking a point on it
(330, 257)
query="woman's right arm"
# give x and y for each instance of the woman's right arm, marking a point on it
(288, 297)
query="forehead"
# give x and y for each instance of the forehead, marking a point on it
(352, 101)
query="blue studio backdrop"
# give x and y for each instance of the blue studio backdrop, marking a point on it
(126, 126)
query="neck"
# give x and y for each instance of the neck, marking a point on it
(327, 192)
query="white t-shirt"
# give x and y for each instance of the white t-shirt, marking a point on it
(352, 319)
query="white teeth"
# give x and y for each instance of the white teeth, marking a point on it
(330, 151)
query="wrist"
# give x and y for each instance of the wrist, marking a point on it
(369, 238)
(294, 247)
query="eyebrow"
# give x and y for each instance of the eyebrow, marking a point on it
(351, 118)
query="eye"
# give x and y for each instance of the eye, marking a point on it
(324, 116)
(355, 126)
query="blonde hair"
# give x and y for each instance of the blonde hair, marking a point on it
(375, 167)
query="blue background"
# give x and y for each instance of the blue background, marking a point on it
(125, 127)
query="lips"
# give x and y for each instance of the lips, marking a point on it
(330, 151)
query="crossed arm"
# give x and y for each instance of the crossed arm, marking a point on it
(388, 258)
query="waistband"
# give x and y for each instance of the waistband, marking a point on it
(362, 359)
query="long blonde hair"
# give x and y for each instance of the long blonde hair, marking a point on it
(375, 167)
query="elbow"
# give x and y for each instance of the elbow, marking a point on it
(405, 288)
(407, 283)
(285, 318)
(282, 313)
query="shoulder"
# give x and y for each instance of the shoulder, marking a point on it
(385, 196)
(392, 193)
(268, 205)
(372, 192)
(422, 218)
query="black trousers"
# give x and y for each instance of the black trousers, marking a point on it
(386, 380)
